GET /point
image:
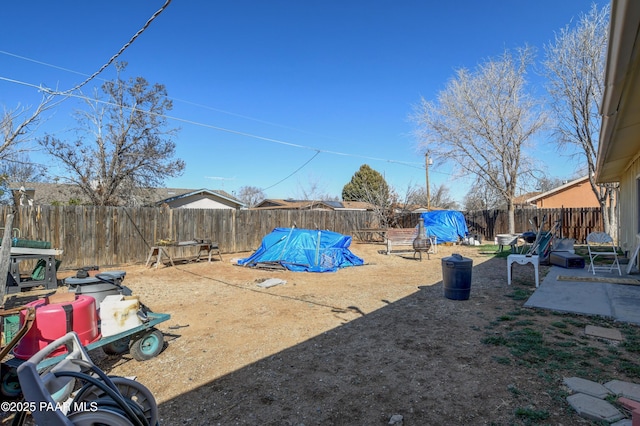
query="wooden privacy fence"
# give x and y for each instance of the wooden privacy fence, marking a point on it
(576, 223)
(108, 236)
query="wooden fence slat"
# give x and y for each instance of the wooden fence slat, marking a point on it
(109, 236)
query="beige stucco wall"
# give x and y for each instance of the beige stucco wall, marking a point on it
(198, 202)
(628, 207)
(578, 195)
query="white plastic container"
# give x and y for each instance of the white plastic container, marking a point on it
(118, 313)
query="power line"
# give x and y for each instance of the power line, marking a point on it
(35, 61)
(294, 172)
(114, 57)
(410, 164)
(222, 129)
(210, 108)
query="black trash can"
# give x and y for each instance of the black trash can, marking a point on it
(456, 277)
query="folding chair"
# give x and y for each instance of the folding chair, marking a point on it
(600, 244)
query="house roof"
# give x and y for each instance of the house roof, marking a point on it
(53, 193)
(557, 189)
(184, 193)
(47, 193)
(618, 144)
(275, 203)
(525, 198)
(356, 205)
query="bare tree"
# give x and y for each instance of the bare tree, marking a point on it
(440, 197)
(314, 190)
(124, 146)
(545, 183)
(482, 122)
(574, 68)
(250, 195)
(382, 200)
(481, 197)
(18, 125)
(18, 170)
(403, 207)
(415, 196)
(16, 131)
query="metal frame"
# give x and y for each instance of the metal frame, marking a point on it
(600, 244)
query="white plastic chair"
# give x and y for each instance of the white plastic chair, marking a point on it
(600, 244)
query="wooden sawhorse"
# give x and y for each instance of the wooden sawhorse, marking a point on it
(210, 249)
(158, 252)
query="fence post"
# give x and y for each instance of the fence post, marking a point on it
(5, 256)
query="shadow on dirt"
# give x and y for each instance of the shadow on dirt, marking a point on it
(420, 357)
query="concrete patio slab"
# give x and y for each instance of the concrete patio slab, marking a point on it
(617, 301)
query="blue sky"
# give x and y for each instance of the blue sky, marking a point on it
(259, 87)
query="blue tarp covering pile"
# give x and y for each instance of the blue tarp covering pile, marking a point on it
(448, 226)
(304, 250)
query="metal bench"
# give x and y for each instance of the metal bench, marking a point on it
(401, 240)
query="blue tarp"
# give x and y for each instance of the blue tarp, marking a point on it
(448, 226)
(304, 250)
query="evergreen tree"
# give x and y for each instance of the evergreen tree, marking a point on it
(367, 185)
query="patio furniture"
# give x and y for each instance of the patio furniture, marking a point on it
(369, 235)
(539, 250)
(601, 245)
(523, 259)
(404, 238)
(21, 277)
(169, 251)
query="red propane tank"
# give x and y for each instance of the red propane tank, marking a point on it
(54, 320)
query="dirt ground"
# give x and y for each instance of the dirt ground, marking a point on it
(354, 347)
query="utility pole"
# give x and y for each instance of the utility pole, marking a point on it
(427, 162)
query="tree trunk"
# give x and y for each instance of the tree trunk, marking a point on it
(512, 217)
(609, 209)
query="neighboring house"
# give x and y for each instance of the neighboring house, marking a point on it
(289, 204)
(401, 208)
(574, 194)
(39, 193)
(199, 199)
(618, 158)
(522, 201)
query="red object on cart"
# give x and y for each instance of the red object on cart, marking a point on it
(54, 320)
